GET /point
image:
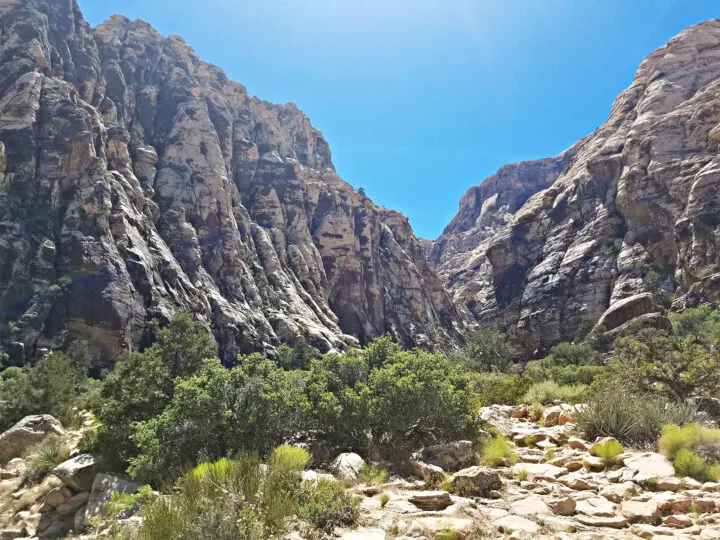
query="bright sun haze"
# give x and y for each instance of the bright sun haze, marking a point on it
(422, 99)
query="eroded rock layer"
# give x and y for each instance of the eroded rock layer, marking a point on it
(633, 215)
(136, 180)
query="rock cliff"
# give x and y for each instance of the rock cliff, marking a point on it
(136, 180)
(612, 228)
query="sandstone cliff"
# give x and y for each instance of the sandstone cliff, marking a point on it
(136, 180)
(632, 214)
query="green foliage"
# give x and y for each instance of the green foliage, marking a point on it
(608, 451)
(688, 463)
(501, 388)
(230, 500)
(678, 367)
(298, 357)
(546, 392)
(550, 454)
(373, 475)
(80, 358)
(536, 411)
(567, 364)
(184, 344)
(488, 350)
(45, 456)
(633, 418)
(327, 506)
(3, 358)
(702, 323)
(497, 451)
(121, 502)
(384, 499)
(522, 475)
(690, 437)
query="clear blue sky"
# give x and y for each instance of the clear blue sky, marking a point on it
(421, 99)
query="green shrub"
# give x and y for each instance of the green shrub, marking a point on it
(688, 463)
(550, 454)
(546, 392)
(536, 411)
(120, 502)
(498, 450)
(372, 475)
(690, 437)
(501, 388)
(327, 506)
(522, 475)
(608, 451)
(45, 456)
(488, 350)
(632, 418)
(384, 499)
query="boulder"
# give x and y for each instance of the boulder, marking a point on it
(476, 481)
(27, 432)
(596, 506)
(314, 477)
(564, 507)
(102, 489)
(451, 456)
(79, 473)
(73, 504)
(558, 415)
(509, 524)
(640, 511)
(347, 466)
(529, 506)
(619, 492)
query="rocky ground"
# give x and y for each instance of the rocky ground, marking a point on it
(557, 488)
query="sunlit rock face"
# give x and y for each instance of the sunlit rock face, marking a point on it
(137, 180)
(544, 249)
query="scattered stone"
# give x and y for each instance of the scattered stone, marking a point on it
(595, 464)
(576, 482)
(58, 496)
(614, 522)
(640, 511)
(347, 466)
(671, 483)
(535, 470)
(102, 489)
(73, 504)
(578, 444)
(451, 456)
(679, 521)
(649, 465)
(564, 507)
(619, 492)
(596, 506)
(509, 524)
(529, 506)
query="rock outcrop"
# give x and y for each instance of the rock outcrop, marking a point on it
(629, 216)
(137, 180)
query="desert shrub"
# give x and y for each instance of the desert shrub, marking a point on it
(121, 502)
(699, 439)
(327, 506)
(384, 499)
(688, 463)
(522, 475)
(702, 323)
(372, 475)
(497, 451)
(298, 357)
(230, 499)
(536, 411)
(608, 451)
(567, 364)
(546, 392)
(632, 418)
(45, 456)
(501, 388)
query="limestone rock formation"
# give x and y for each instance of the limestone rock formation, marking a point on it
(628, 216)
(137, 180)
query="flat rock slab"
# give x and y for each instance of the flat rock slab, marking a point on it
(511, 523)
(530, 506)
(431, 500)
(649, 465)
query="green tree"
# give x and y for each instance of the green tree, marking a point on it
(184, 344)
(298, 357)
(80, 358)
(680, 367)
(52, 382)
(3, 358)
(15, 396)
(488, 350)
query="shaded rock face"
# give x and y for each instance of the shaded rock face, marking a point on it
(634, 210)
(136, 180)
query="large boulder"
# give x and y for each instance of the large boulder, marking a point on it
(649, 465)
(431, 500)
(431, 474)
(476, 481)
(347, 466)
(451, 456)
(79, 472)
(27, 432)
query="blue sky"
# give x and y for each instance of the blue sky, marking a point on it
(421, 99)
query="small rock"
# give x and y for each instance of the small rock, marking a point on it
(649, 465)
(619, 492)
(710, 487)
(670, 483)
(614, 522)
(58, 496)
(530, 506)
(640, 512)
(601, 442)
(575, 482)
(73, 505)
(564, 507)
(431, 500)
(594, 464)
(432, 474)
(578, 444)
(596, 506)
(521, 412)
(679, 521)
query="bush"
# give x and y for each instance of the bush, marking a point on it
(608, 451)
(327, 506)
(488, 350)
(547, 392)
(536, 411)
(688, 463)
(230, 499)
(632, 418)
(497, 451)
(567, 364)
(699, 439)
(501, 388)
(372, 475)
(384, 499)
(45, 456)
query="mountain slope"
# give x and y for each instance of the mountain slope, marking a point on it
(634, 215)
(138, 180)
